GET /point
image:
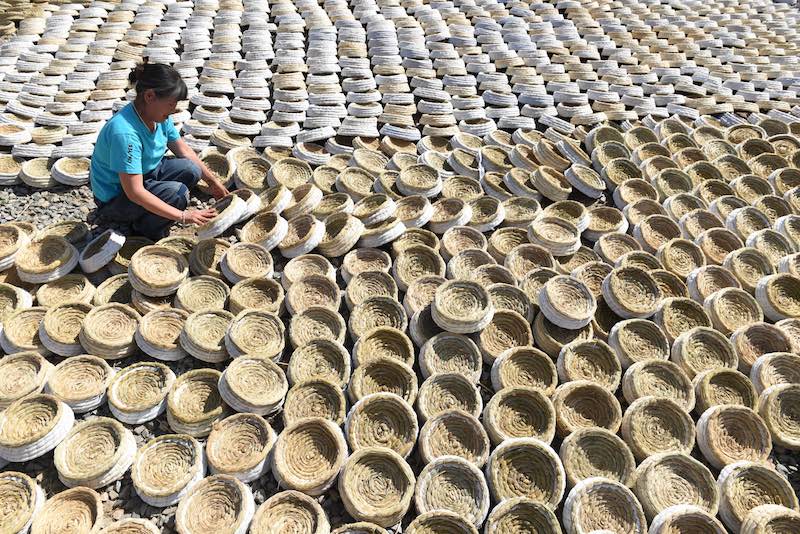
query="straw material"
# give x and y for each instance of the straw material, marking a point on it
(60, 328)
(253, 384)
(33, 426)
(454, 433)
(775, 369)
(383, 375)
(95, 453)
(440, 521)
(201, 293)
(219, 503)
(108, 331)
(519, 412)
(291, 511)
(509, 515)
(526, 467)
(653, 425)
(596, 452)
(728, 433)
(70, 288)
(166, 468)
(723, 386)
(131, 526)
(23, 499)
(158, 334)
(524, 366)
(367, 284)
(769, 517)
(45, 259)
(267, 229)
(583, 404)
(204, 334)
(631, 293)
(205, 257)
(315, 398)
(776, 409)
(752, 341)
(376, 485)
(76, 510)
(308, 455)
(744, 486)
(701, 349)
(567, 302)
(256, 293)
(81, 382)
(239, 446)
(382, 420)
(452, 483)
(597, 504)
(194, 403)
(320, 359)
(447, 391)
(450, 353)
(661, 379)
(22, 374)
(255, 332)
(113, 289)
(316, 322)
(686, 518)
(138, 393)
(462, 307)
(590, 360)
(157, 271)
(313, 290)
(376, 312)
(20, 332)
(122, 259)
(416, 262)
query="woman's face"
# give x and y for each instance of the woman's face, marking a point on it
(158, 109)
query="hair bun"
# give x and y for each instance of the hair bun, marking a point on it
(136, 73)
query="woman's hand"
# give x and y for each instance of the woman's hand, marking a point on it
(218, 190)
(199, 217)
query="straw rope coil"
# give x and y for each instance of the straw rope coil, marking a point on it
(22, 374)
(440, 521)
(138, 393)
(567, 302)
(158, 334)
(201, 293)
(767, 518)
(157, 271)
(315, 398)
(122, 259)
(596, 452)
(454, 433)
(590, 360)
(204, 334)
(745, 485)
(166, 468)
(33, 426)
(60, 328)
(773, 369)
(291, 511)
(660, 379)
(752, 341)
(524, 366)
(382, 420)
(462, 307)
(320, 359)
(631, 293)
(512, 514)
(306, 265)
(194, 402)
(416, 262)
(776, 408)
(452, 483)
(20, 331)
(581, 404)
(383, 374)
(602, 505)
(723, 386)
(526, 467)
(70, 288)
(205, 257)
(45, 259)
(131, 526)
(365, 259)
(447, 391)
(256, 293)
(701, 349)
(95, 453)
(80, 382)
(253, 384)
(519, 412)
(450, 353)
(653, 425)
(245, 260)
(219, 503)
(729, 433)
(686, 518)
(376, 312)
(257, 333)
(113, 289)
(23, 500)
(313, 290)
(73, 510)
(108, 331)
(303, 234)
(239, 445)
(308, 455)
(266, 229)
(367, 284)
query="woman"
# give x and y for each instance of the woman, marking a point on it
(131, 180)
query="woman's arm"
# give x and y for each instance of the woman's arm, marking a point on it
(182, 150)
(133, 187)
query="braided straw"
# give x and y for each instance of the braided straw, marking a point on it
(303, 234)
(245, 260)
(376, 485)
(550, 338)
(316, 322)
(342, 232)
(166, 468)
(637, 340)
(131, 526)
(73, 510)
(768, 518)
(313, 290)
(194, 403)
(179, 243)
(454, 433)
(723, 386)
(239, 446)
(417, 236)
(524, 366)
(732, 308)
(753, 341)
(204, 335)
(205, 257)
(314, 398)
(771, 370)
(566, 302)
(367, 284)
(590, 360)
(450, 353)
(653, 425)
(95, 453)
(306, 265)
(520, 512)
(365, 259)
(61, 326)
(460, 238)
(504, 240)
(81, 382)
(440, 521)
(320, 359)
(519, 412)
(777, 295)
(596, 452)
(376, 312)
(686, 518)
(201, 293)
(415, 262)
(701, 349)
(382, 420)
(33, 426)
(776, 407)
(253, 384)
(159, 332)
(730, 433)
(12, 298)
(448, 391)
(506, 330)
(266, 229)
(745, 485)
(602, 505)
(383, 374)
(256, 293)
(108, 331)
(45, 259)
(582, 404)
(290, 511)
(791, 328)
(157, 271)
(138, 393)
(659, 379)
(526, 467)
(122, 259)
(20, 331)
(452, 483)
(308, 455)
(255, 332)
(70, 288)
(462, 306)
(462, 265)
(631, 292)
(23, 499)
(113, 289)
(678, 315)
(219, 503)
(22, 374)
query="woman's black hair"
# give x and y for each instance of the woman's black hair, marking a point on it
(165, 81)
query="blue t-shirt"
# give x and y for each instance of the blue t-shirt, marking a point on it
(125, 144)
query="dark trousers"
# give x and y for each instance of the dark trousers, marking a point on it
(170, 181)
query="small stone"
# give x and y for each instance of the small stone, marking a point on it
(118, 513)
